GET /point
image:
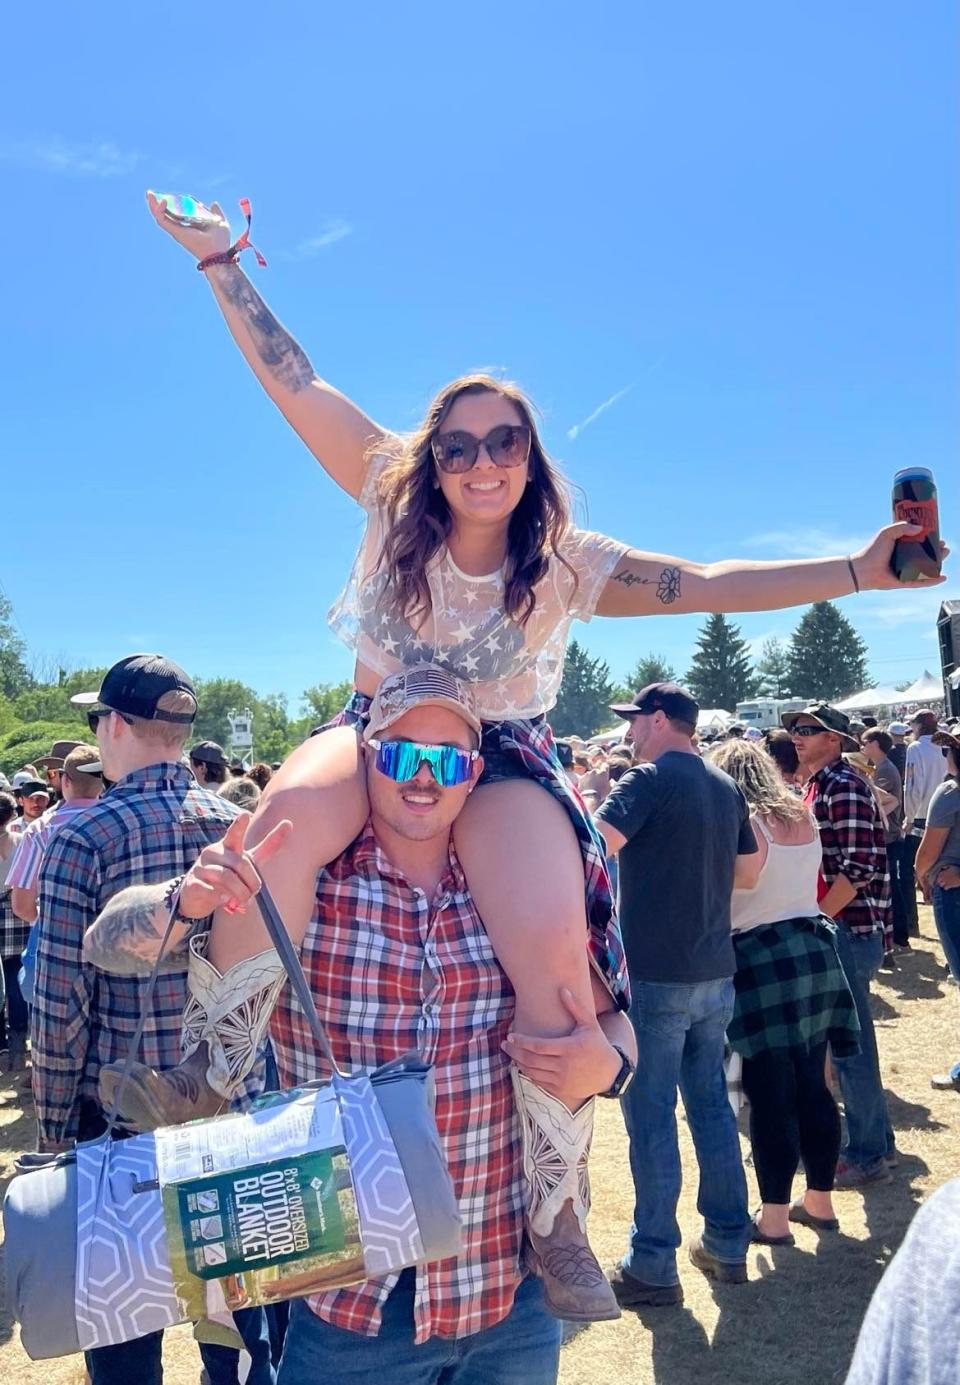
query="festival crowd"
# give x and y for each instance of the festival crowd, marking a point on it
(764, 878)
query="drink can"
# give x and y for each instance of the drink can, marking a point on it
(915, 502)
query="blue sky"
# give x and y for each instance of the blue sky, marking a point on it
(717, 244)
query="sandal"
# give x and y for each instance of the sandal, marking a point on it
(760, 1238)
(799, 1213)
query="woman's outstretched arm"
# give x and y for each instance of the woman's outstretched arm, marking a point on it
(644, 584)
(337, 432)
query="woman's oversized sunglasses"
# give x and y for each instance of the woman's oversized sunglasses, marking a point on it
(400, 761)
(506, 445)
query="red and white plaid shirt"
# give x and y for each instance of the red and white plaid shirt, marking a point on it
(392, 971)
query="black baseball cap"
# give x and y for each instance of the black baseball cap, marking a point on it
(669, 698)
(136, 684)
(208, 752)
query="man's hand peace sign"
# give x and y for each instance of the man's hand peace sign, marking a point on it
(226, 875)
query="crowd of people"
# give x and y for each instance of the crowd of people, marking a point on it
(759, 879)
(446, 884)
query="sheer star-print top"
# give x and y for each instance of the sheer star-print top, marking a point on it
(514, 670)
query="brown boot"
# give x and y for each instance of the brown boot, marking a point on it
(152, 1098)
(224, 1021)
(556, 1143)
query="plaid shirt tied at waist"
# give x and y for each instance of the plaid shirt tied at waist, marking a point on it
(150, 826)
(791, 991)
(391, 971)
(851, 833)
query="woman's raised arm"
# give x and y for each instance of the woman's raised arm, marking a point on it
(337, 432)
(644, 584)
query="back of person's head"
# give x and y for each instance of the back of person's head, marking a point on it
(618, 765)
(924, 723)
(261, 774)
(8, 809)
(757, 775)
(168, 736)
(76, 783)
(243, 792)
(783, 752)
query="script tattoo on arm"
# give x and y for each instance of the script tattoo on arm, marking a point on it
(667, 584)
(126, 938)
(286, 361)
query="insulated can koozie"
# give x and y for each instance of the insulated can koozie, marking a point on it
(915, 502)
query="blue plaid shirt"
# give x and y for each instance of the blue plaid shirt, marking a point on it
(151, 826)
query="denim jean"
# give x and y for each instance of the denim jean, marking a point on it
(522, 1349)
(908, 876)
(680, 1036)
(869, 1133)
(946, 914)
(139, 1362)
(903, 890)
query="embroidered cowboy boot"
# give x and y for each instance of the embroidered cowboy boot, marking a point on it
(224, 1022)
(556, 1144)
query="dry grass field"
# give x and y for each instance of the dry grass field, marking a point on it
(796, 1321)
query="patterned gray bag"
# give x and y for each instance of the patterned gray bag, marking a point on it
(98, 1252)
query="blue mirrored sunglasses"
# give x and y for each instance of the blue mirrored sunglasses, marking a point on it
(400, 760)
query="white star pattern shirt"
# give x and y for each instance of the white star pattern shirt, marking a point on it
(514, 670)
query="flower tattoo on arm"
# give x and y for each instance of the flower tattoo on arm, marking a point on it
(668, 583)
(668, 588)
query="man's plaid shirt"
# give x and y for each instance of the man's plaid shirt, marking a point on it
(851, 832)
(152, 825)
(393, 971)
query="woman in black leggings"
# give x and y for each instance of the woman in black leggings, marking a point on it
(792, 1002)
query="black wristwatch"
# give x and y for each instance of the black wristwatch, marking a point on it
(623, 1078)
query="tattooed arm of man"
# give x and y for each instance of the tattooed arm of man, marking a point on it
(646, 584)
(127, 935)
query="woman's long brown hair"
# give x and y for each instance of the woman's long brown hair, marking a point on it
(417, 518)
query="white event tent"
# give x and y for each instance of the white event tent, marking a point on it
(927, 688)
(871, 697)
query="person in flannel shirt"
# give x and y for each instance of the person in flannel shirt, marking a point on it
(471, 560)
(398, 959)
(854, 891)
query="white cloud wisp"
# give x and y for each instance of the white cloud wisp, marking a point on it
(100, 159)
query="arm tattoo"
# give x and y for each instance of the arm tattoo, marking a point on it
(668, 583)
(630, 579)
(125, 939)
(284, 359)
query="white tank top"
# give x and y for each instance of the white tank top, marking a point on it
(787, 888)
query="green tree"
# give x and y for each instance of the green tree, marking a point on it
(827, 657)
(26, 741)
(14, 675)
(216, 697)
(583, 706)
(651, 668)
(324, 700)
(773, 669)
(271, 728)
(720, 673)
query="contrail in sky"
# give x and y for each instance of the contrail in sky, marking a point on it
(578, 428)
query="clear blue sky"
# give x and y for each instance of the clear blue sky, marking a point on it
(740, 219)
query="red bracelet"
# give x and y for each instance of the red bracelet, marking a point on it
(233, 254)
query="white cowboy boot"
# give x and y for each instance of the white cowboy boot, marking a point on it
(556, 1144)
(224, 1023)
